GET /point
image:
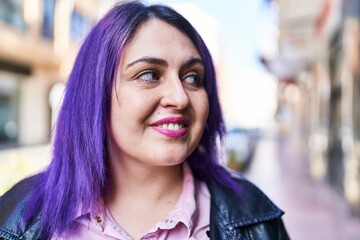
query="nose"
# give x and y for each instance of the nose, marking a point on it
(174, 95)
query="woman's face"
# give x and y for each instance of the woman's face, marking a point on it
(160, 106)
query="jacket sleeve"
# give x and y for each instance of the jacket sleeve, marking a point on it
(12, 205)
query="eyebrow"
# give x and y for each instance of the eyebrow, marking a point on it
(191, 62)
(162, 62)
(152, 60)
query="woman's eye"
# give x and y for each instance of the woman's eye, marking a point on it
(194, 79)
(148, 76)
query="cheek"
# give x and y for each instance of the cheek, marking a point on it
(202, 107)
(132, 108)
(207, 109)
(115, 121)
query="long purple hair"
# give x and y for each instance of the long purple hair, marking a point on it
(77, 177)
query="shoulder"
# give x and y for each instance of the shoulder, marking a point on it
(12, 205)
(250, 211)
(249, 204)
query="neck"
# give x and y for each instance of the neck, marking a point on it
(141, 195)
(131, 180)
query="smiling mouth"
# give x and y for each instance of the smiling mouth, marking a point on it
(172, 127)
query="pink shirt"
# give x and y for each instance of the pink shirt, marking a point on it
(188, 220)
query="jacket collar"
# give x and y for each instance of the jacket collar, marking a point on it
(229, 211)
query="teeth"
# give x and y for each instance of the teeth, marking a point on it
(171, 126)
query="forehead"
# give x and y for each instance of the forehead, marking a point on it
(158, 38)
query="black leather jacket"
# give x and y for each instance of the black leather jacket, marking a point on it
(253, 216)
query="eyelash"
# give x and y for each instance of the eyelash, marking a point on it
(198, 78)
(147, 72)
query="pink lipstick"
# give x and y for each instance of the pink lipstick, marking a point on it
(172, 127)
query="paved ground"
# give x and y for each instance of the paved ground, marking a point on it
(313, 210)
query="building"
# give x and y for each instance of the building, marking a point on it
(39, 39)
(38, 43)
(319, 59)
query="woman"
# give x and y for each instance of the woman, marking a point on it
(136, 149)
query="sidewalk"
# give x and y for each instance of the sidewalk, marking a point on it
(313, 210)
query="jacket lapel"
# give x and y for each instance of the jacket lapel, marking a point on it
(230, 213)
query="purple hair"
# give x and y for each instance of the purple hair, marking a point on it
(77, 177)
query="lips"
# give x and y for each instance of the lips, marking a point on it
(173, 127)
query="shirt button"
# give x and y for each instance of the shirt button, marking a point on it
(98, 219)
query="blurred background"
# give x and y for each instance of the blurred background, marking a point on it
(289, 80)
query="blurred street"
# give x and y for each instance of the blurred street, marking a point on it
(313, 210)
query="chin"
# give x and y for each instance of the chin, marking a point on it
(172, 162)
(164, 160)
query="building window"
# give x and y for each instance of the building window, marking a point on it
(48, 18)
(11, 12)
(9, 86)
(80, 25)
(356, 109)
